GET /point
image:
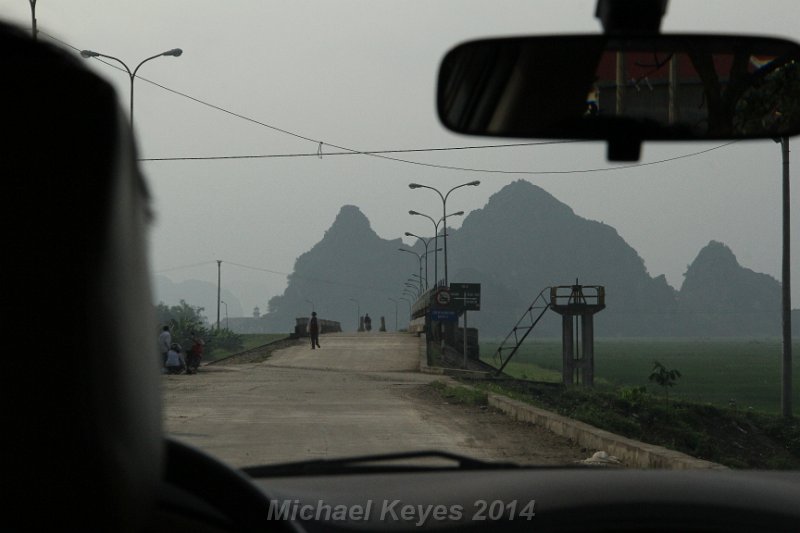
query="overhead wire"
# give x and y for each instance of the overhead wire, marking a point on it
(280, 273)
(382, 153)
(184, 267)
(462, 169)
(319, 153)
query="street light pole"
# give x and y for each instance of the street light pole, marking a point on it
(175, 52)
(419, 257)
(425, 242)
(219, 289)
(435, 245)
(312, 305)
(436, 239)
(395, 313)
(406, 300)
(227, 323)
(358, 314)
(786, 294)
(444, 211)
(413, 287)
(419, 277)
(435, 251)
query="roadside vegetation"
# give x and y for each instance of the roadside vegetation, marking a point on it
(460, 395)
(729, 436)
(713, 399)
(186, 320)
(248, 342)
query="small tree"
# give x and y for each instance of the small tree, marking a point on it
(664, 377)
(183, 320)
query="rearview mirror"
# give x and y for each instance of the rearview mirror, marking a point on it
(622, 88)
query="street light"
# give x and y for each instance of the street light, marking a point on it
(406, 300)
(413, 288)
(395, 313)
(312, 305)
(87, 54)
(358, 314)
(416, 280)
(227, 324)
(425, 242)
(444, 211)
(435, 251)
(411, 296)
(435, 239)
(419, 257)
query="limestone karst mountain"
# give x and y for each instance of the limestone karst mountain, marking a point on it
(521, 242)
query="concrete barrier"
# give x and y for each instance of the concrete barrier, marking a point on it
(631, 452)
(325, 326)
(417, 325)
(422, 346)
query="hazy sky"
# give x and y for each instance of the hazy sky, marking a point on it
(361, 74)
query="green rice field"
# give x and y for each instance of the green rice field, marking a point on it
(740, 373)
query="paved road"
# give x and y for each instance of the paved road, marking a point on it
(357, 394)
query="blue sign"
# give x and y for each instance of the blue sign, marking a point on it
(444, 315)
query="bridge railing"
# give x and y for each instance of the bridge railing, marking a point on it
(325, 326)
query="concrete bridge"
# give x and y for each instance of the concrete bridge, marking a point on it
(360, 393)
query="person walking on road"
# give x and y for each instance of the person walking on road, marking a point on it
(367, 322)
(313, 331)
(164, 342)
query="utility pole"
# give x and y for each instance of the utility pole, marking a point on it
(465, 339)
(219, 289)
(33, 20)
(786, 294)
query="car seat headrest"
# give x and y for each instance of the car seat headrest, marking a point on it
(82, 405)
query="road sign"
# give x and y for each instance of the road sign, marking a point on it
(466, 296)
(443, 298)
(444, 315)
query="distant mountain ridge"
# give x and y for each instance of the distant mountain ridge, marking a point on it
(727, 299)
(522, 241)
(528, 240)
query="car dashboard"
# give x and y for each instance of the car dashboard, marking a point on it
(204, 493)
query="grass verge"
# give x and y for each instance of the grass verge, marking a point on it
(460, 395)
(249, 341)
(735, 438)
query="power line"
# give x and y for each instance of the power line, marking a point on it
(258, 268)
(447, 167)
(318, 280)
(280, 273)
(321, 154)
(382, 153)
(183, 267)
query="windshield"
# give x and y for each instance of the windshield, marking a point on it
(321, 243)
